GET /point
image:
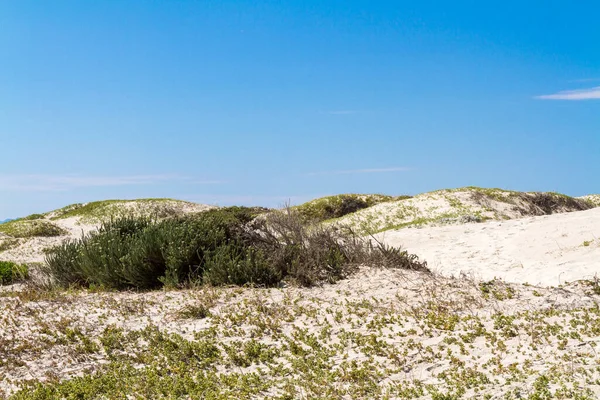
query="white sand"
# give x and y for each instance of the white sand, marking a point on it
(545, 250)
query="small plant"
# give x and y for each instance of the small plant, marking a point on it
(194, 311)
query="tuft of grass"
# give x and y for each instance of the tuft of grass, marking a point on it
(11, 272)
(8, 243)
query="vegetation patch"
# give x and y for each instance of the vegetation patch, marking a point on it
(8, 243)
(11, 272)
(332, 207)
(592, 199)
(219, 247)
(531, 203)
(98, 211)
(462, 205)
(31, 228)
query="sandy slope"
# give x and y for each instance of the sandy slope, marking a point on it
(546, 250)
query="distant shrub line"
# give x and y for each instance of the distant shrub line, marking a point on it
(218, 247)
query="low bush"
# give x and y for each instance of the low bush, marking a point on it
(218, 247)
(11, 272)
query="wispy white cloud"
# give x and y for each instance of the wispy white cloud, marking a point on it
(360, 171)
(41, 182)
(581, 94)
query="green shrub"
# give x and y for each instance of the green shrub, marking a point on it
(11, 272)
(218, 247)
(132, 252)
(236, 264)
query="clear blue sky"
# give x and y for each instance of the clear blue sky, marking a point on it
(256, 102)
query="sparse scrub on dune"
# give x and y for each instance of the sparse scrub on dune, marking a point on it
(550, 203)
(531, 203)
(218, 247)
(8, 243)
(98, 211)
(457, 206)
(592, 199)
(332, 207)
(26, 228)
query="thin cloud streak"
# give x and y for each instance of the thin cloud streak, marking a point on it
(40, 183)
(361, 171)
(573, 95)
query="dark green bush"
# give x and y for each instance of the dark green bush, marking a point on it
(11, 272)
(219, 247)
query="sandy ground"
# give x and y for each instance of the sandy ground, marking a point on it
(493, 343)
(544, 250)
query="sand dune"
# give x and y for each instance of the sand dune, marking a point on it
(544, 250)
(456, 206)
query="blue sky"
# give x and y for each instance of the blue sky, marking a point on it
(259, 102)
